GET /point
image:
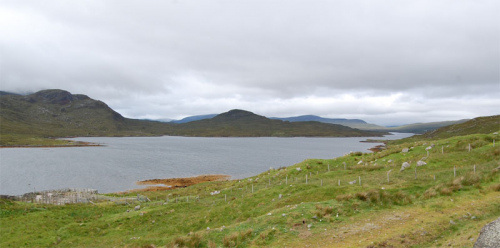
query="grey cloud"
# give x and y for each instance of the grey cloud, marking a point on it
(177, 58)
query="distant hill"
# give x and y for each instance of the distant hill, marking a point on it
(480, 125)
(353, 123)
(247, 124)
(194, 118)
(4, 93)
(420, 128)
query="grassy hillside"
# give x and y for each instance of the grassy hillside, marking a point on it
(420, 128)
(443, 203)
(247, 124)
(56, 113)
(360, 124)
(488, 124)
(480, 125)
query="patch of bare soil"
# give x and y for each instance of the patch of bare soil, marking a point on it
(172, 183)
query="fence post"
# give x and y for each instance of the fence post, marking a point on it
(344, 166)
(388, 175)
(442, 149)
(306, 178)
(252, 188)
(286, 180)
(329, 164)
(469, 147)
(225, 197)
(359, 180)
(339, 182)
(474, 169)
(454, 171)
(416, 170)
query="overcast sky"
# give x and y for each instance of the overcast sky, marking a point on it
(386, 62)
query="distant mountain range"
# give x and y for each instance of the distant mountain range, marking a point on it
(58, 113)
(418, 128)
(194, 118)
(247, 124)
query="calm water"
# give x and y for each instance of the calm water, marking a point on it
(121, 162)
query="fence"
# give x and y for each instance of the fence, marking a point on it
(61, 196)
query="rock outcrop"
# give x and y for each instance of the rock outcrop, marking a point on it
(489, 236)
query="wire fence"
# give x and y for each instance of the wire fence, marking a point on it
(355, 178)
(318, 175)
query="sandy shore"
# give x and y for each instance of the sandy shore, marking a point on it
(172, 183)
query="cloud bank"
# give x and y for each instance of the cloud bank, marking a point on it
(387, 62)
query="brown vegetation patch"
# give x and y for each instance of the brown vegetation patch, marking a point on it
(378, 148)
(172, 183)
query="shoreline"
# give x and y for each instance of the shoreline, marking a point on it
(50, 146)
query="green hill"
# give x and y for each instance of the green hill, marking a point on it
(58, 113)
(480, 125)
(419, 128)
(247, 124)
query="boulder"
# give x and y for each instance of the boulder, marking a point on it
(404, 166)
(489, 235)
(420, 163)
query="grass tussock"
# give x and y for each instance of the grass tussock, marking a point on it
(323, 211)
(344, 197)
(235, 239)
(495, 187)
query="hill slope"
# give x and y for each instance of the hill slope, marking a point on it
(353, 123)
(420, 128)
(58, 113)
(194, 118)
(247, 124)
(480, 125)
(360, 124)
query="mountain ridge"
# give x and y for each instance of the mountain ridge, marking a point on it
(418, 128)
(58, 113)
(244, 123)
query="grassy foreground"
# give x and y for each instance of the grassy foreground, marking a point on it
(442, 203)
